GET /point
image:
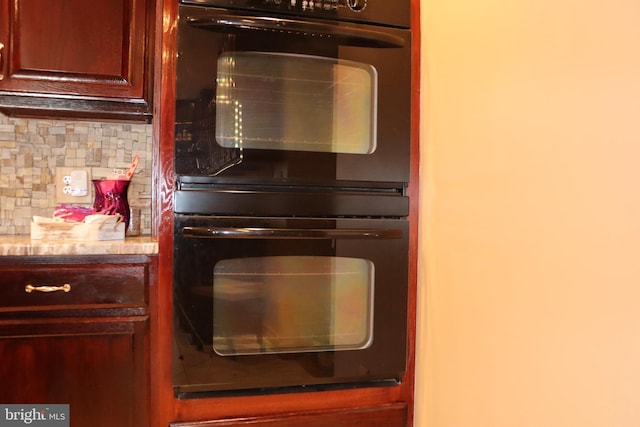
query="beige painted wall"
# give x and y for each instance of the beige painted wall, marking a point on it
(530, 232)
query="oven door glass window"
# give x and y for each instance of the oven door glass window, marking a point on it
(292, 304)
(278, 101)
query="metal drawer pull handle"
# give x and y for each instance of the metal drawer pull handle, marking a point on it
(1, 52)
(30, 288)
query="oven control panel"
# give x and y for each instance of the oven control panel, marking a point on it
(328, 5)
(394, 13)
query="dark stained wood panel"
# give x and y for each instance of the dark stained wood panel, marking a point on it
(391, 415)
(98, 368)
(77, 58)
(59, 42)
(88, 349)
(72, 286)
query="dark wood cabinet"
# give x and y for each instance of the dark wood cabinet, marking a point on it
(75, 330)
(391, 415)
(77, 58)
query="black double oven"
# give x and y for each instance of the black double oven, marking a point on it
(292, 163)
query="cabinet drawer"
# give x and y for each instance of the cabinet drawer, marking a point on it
(72, 285)
(389, 415)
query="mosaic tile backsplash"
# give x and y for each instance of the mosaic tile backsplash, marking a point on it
(32, 149)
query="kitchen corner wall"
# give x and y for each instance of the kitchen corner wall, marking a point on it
(31, 150)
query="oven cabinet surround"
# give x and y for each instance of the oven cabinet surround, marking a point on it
(77, 59)
(368, 406)
(86, 346)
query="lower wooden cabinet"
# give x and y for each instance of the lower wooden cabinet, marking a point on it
(75, 331)
(389, 415)
(96, 366)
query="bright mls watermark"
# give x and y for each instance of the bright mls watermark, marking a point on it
(34, 415)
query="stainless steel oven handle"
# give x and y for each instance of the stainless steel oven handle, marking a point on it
(289, 233)
(347, 35)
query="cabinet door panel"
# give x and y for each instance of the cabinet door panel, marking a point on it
(59, 54)
(97, 366)
(60, 43)
(55, 45)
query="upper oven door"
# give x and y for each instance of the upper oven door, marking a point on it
(262, 99)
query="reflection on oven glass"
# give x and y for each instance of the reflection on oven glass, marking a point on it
(202, 370)
(295, 102)
(292, 304)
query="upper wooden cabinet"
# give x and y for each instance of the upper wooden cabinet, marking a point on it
(77, 58)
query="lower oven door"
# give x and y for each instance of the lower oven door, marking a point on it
(271, 304)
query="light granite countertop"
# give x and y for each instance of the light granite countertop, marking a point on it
(24, 246)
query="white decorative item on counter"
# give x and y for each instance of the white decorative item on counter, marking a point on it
(94, 227)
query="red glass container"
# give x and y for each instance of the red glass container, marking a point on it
(111, 198)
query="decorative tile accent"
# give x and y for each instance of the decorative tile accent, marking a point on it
(31, 150)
